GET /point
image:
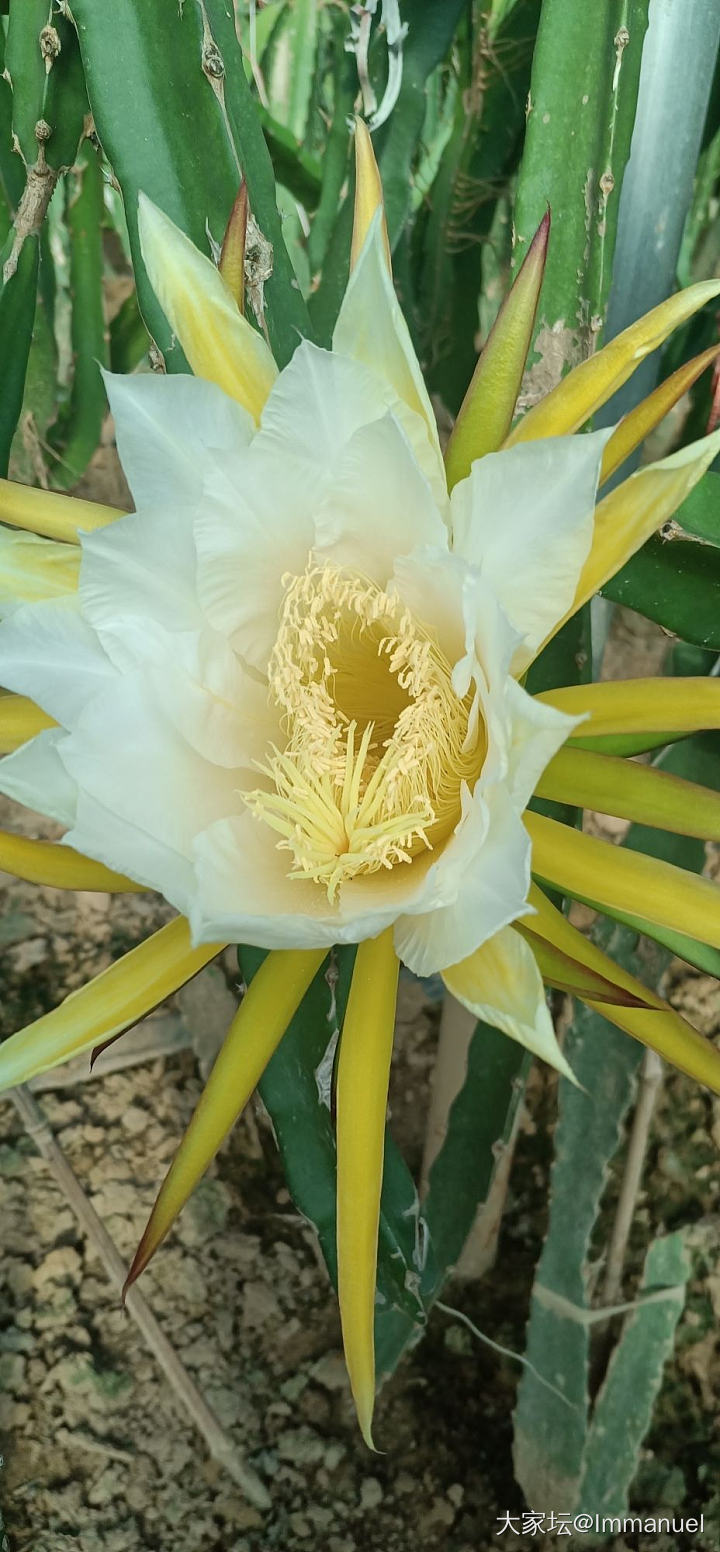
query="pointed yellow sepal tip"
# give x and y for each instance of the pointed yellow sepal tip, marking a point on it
(107, 1005)
(219, 343)
(270, 1002)
(487, 410)
(368, 194)
(362, 1086)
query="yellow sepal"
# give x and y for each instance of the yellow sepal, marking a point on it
(49, 513)
(626, 706)
(107, 1005)
(231, 263)
(219, 343)
(631, 791)
(593, 382)
(487, 410)
(33, 569)
(637, 425)
(271, 1000)
(580, 865)
(657, 1026)
(20, 720)
(568, 974)
(362, 1085)
(637, 509)
(47, 862)
(368, 195)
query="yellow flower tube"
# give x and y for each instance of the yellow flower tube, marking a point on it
(362, 1084)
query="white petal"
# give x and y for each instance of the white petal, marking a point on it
(202, 688)
(534, 738)
(139, 574)
(49, 652)
(244, 894)
(371, 329)
(100, 833)
(130, 759)
(501, 984)
(166, 428)
(525, 518)
(256, 520)
(36, 777)
(478, 885)
(318, 402)
(247, 537)
(378, 504)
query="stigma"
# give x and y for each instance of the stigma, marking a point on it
(379, 745)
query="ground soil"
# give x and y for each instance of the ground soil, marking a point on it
(99, 1456)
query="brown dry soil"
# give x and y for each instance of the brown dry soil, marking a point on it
(99, 1456)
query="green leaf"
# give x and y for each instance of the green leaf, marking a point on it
(623, 1409)
(165, 131)
(40, 396)
(78, 434)
(480, 1118)
(458, 235)
(302, 41)
(337, 148)
(554, 1441)
(12, 180)
(430, 34)
(675, 582)
(17, 314)
(287, 316)
(582, 107)
(700, 512)
(129, 340)
(550, 1433)
(56, 95)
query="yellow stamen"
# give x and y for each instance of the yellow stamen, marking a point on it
(379, 744)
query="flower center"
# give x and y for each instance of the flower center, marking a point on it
(378, 743)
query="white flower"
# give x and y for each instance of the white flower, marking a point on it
(285, 685)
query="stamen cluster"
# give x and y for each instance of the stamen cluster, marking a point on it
(378, 743)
